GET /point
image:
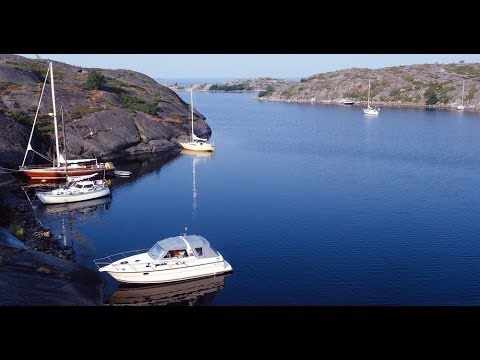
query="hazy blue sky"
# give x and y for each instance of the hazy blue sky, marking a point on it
(190, 66)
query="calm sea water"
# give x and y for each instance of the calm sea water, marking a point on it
(311, 204)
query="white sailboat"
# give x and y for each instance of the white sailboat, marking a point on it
(79, 188)
(196, 143)
(462, 107)
(370, 110)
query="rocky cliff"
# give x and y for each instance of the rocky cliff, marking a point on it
(129, 113)
(414, 85)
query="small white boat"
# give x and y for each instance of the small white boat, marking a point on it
(348, 102)
(172, 259)
(122, 173)
(370, 110)
(78, 189)
(196, 143)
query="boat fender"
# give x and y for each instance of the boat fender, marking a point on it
(107, 165)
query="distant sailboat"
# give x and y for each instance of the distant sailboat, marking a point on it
(462, 107)
(370, 110)
(196, 143)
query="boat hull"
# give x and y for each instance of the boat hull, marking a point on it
(173, 274)
(196, 146)
(49, 198)
(59, 173)
(370, 111)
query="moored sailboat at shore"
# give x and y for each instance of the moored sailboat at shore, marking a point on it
(77, 189)
(196, 143)
(59, 167)
(370, 110)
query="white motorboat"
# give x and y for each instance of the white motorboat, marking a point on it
(172, 259)
(196, 143)
(78, 189)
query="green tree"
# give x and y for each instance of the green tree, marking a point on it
(95, 80)
(267, 92)
(430, 96)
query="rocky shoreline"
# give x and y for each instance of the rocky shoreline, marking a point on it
(363, 104)
(22, 221)
(35, 268)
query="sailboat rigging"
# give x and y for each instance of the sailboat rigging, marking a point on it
(462, 107)
(370, 110)
(60, 168)
(196, 143)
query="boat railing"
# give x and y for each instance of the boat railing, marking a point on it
(41, 167)
(108, 260)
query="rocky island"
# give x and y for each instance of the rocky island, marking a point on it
(434, 85)
(426, 85)
(107, 114)
(239, 85)
(124, 112)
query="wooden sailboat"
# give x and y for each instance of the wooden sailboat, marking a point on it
(462, 107)
(196, 143)
(370, 110)
(60, 168)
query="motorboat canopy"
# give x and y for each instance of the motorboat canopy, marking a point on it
(166, 248)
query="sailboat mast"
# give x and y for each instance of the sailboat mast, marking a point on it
(463, 91)
(368, 94)
(57, 148)
(191, 105)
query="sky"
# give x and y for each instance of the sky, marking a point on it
(239, 66)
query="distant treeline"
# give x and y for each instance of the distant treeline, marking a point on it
(226, 88)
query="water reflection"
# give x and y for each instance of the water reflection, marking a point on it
(196, 158)
(188, 293)
(142, 165)
(80, 207)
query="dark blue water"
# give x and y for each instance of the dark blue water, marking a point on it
(311, 204)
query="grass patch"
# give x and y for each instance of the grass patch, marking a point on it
(468, 71)
(81, 111)
(227, 88)
(356, 94)
(6, 88)
(267, 92)
(471, 94)
(38, 68)
(133, 103)
(288, 93)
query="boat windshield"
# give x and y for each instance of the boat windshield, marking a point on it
(155, 251)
